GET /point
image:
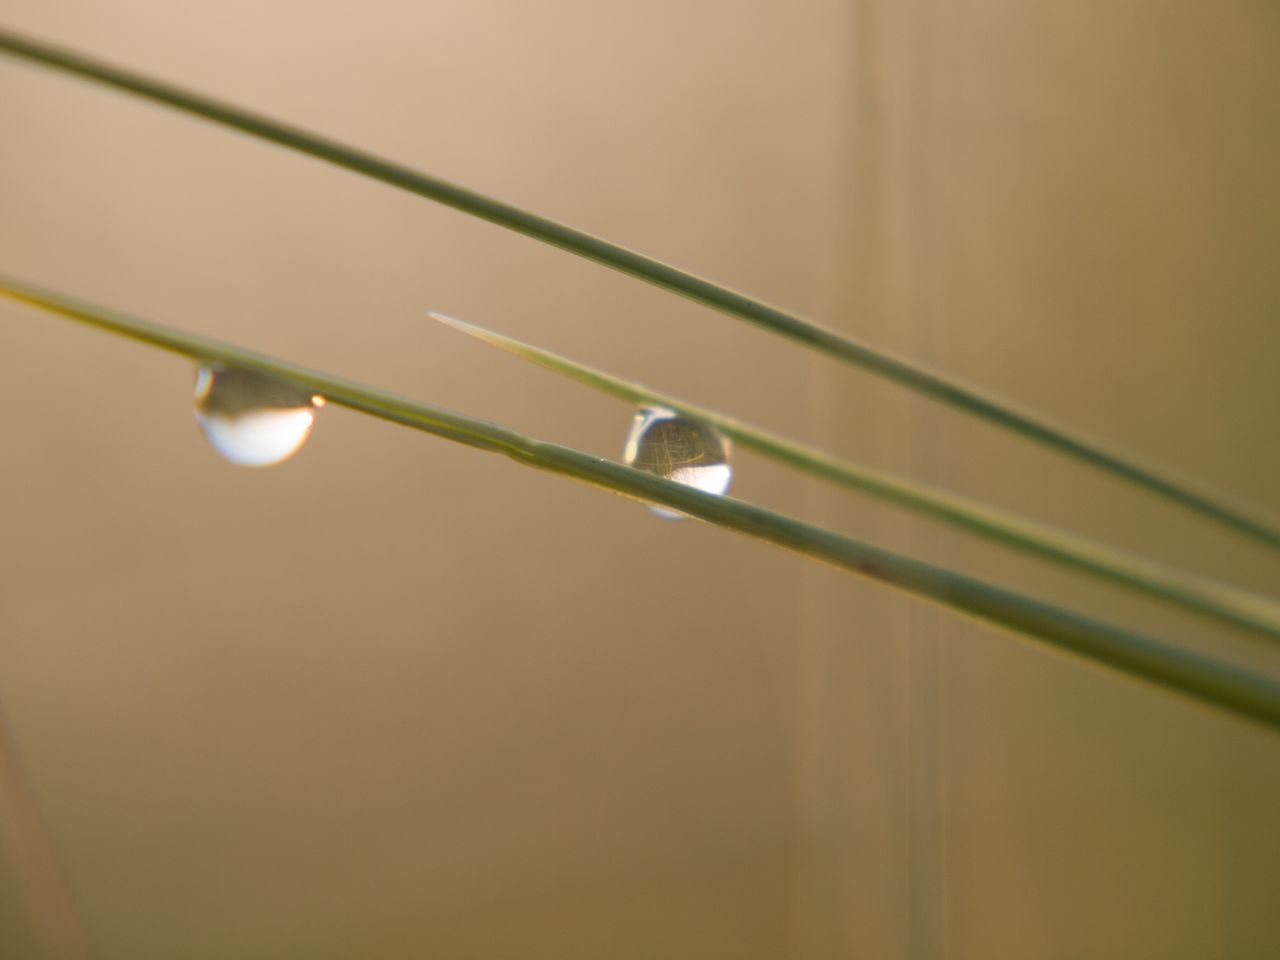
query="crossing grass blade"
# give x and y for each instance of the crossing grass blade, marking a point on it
(1205, 679)
(1232, 605)
(910, 375)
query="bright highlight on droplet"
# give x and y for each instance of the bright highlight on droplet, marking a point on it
(676, 447)
(251, 419)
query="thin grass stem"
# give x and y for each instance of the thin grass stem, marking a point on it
(1222, 602)
(24, 837)
(1205, 679)
(912, 376)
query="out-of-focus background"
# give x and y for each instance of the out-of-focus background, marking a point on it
(399, 698)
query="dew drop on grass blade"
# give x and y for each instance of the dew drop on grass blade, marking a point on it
(250, 419)
(679, 448)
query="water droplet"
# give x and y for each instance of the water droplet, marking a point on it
(678, 448)
(252, 420)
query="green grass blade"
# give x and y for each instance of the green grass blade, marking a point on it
(907, 374)
(1205, 679)
(33, 859)
(1220, 601)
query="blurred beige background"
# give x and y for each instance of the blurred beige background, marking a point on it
(398, 698)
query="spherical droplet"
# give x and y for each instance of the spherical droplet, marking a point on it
(251, 419)
(679, 448)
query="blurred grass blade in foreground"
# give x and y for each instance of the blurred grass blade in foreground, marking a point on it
(33, 858)
(910, 375)
(1208, 680)
(1222, 602)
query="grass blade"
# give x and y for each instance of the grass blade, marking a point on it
(1223, 602)
(24, 838)
(910, 375)
(1205, 679)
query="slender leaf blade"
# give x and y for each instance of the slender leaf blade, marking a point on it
(1205, 679)
(913, 376)
(1223, 602)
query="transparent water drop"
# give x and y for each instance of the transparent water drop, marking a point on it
(678, 448)
(251, 419)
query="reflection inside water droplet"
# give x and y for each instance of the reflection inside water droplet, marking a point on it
(251, 419)
(678, 448)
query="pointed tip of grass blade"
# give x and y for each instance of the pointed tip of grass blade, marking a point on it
(480, 333)
(451, 321)
(623, 390)
(490, 337)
